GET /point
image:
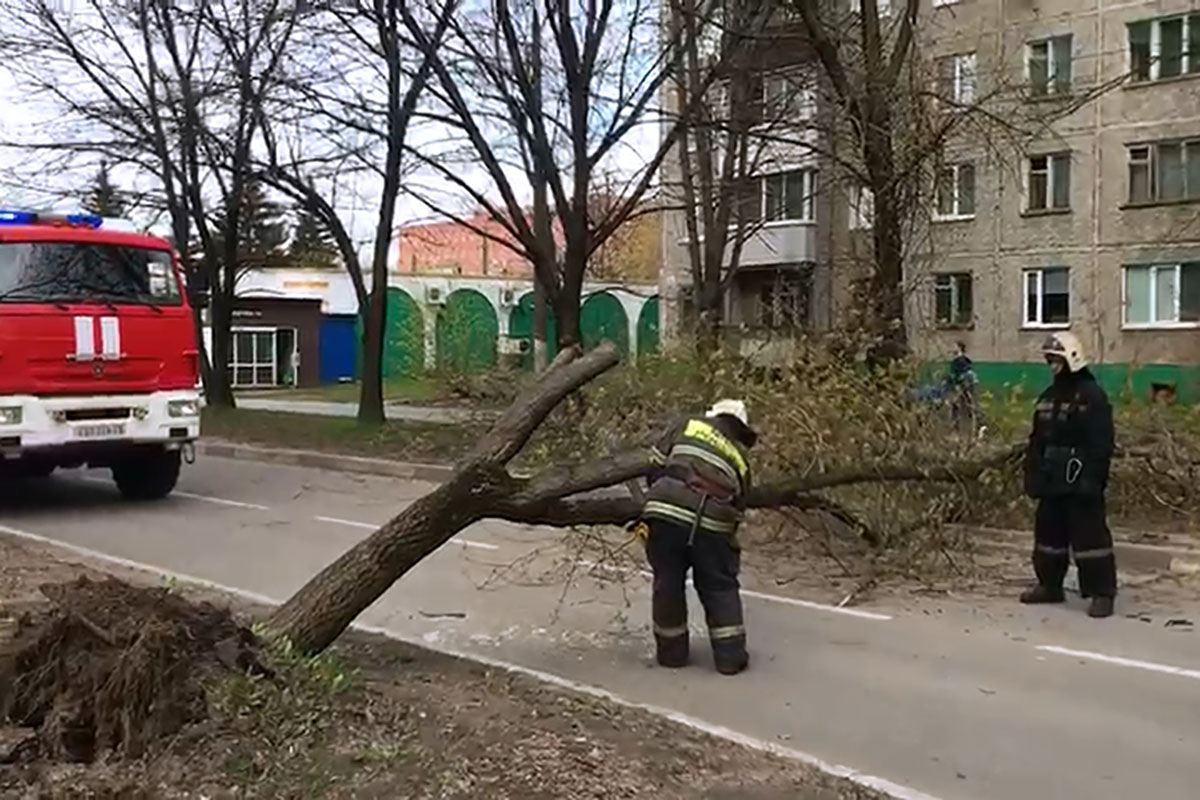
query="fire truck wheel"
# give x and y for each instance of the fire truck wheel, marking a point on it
(148, 475)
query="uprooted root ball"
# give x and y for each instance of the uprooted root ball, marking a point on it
(115, 667)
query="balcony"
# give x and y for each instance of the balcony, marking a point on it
(780, 243)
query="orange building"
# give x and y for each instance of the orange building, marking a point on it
(445, 247)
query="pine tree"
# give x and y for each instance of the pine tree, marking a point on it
(262, 230)
(312, 244)
(103, 198)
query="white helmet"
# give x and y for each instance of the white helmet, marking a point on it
(1066, 346)
(734, 408)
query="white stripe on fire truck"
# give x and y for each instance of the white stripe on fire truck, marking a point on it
(110, 336)
(85, 337)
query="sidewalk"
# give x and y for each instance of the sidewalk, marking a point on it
(395, 411)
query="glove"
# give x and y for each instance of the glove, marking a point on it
(639, 529)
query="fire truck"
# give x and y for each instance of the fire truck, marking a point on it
(98, 357)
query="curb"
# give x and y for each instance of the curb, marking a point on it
(434, 473)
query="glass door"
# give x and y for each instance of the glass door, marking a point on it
(254, 363)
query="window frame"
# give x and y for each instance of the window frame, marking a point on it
(1175, 324)
(957, 214)
(1053, 87)
(790, 292)
(961, 87)
(954, 281)
(1187, 146)
(861, 208)
(1189, 62)
(808, 188)
(1040, 323)
(1053, 176)
(805, 100)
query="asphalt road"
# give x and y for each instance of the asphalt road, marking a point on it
(941, 699)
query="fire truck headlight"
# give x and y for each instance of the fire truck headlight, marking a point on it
(183, 408)
(11, 415)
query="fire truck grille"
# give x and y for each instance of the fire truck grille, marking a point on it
(85, 414)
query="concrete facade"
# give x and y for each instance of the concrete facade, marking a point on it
(1104, 226)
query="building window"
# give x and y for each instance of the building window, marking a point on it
(883, 7)
(1164, 48)
(1164, 172)
(956, 78)
(788, 196)
(956, 191)
(862, 208)
(1162, 294)
(954, 306)
(781, 300)
(1048, 63)
(1049, 183)
(1047, 297)
(787, 96)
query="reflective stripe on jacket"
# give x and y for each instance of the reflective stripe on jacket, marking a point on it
(704, 479)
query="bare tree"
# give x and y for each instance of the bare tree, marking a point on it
(542, 96)
(891, 113)
(729, 134)
(167, 90)
(357, 79)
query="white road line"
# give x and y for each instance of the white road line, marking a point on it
(366, 526)
(1151, 666)
(889, 788)
(221, 501)
(770, 598)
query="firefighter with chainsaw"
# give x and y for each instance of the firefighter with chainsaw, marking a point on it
(1066, 471)
(692, 512)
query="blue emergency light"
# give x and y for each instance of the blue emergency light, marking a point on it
(76, 220)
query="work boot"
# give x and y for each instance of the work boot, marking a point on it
(1101, 607)
(733, 667)
(1040, 594)
(672, 653)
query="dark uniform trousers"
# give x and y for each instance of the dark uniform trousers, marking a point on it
(714, 560)
(1074, 524)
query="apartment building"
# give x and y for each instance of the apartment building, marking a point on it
(1094, 225)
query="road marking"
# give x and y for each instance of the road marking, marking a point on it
(1151, 666)
(366, 526)
(221, 501)
(770, 598)
(889, 788)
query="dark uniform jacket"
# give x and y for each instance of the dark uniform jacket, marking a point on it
(1072, 440)
(703, 478)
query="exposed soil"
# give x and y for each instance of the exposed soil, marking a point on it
(178, 699)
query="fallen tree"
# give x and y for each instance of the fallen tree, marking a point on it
(483, 487)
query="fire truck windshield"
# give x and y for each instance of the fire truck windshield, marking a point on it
(73, 272)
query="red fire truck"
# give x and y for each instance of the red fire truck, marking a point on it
(98, 355)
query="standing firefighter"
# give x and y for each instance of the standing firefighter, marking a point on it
(693, 509)
(1066, 471)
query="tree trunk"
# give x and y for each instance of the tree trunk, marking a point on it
(318, 613)
(566, 303)
(370, 401)
(481, 487)
(539, 327)
(709, 315)
(219, 392)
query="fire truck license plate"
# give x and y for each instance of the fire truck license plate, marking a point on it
(99, 431)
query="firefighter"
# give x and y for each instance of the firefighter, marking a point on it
(1066, 471)
(693, 508)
